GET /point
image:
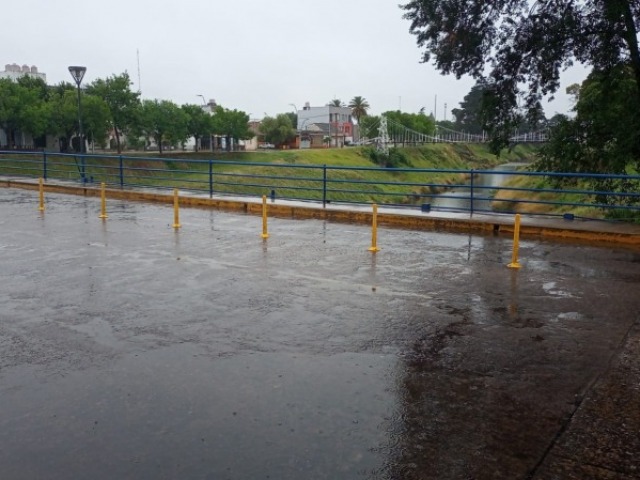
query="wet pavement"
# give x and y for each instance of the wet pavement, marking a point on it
(130, 350)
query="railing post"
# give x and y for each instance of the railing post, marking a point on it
(103, 202)
(265, 232)
(472, 195)
(44, 165)
(210, 178)
(84, 168)
(516, 244)
(176, 209)
(374, 230)
(121, 171)
(41, 194)
(324, 185)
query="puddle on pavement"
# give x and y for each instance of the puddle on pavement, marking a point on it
(133, 351)
(179, 412)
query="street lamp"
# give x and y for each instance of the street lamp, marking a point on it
(204, 104)
(296, 114)
(78, 74)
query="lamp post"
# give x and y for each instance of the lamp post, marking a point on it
(295, 111)
(204, 104)
(78, 74)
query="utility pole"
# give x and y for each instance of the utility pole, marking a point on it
(435, 115)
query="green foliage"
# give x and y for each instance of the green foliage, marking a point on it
(163, 121)
(604, 135)
(624, 215)
(521, 47)
(359, 107)
(62, 116)
(96, 119)
(293, 117)
(233, 124)
(396, 158)
(278, 130)
(36, 85)
(123, 104)
(602, 138)
(414, 121)
(199, 123)
(469, 115)
(21, 109)
(369, 126)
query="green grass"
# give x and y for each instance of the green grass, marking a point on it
(359, 185)
(344, 184)
(503, 200)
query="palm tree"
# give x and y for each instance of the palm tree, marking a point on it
(359, 107)
(336, 102)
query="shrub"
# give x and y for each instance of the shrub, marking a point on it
(395, 159)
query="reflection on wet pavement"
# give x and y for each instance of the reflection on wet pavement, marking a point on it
(128, 350)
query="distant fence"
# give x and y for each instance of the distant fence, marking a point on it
(474, 191)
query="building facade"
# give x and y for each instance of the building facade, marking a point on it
(15, 71)
(333, 124)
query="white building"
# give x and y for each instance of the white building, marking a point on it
(335, 122)
(15, 71)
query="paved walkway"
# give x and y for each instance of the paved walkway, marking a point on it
(130, 350)
(577, 230)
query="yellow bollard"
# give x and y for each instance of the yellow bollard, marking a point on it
(265, 233)
(41, 189)
(516, 243)
(374, 230)
(103, 202)
(176, 209)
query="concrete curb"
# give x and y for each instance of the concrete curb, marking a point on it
(598, 232)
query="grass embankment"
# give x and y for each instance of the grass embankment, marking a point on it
(348, 177)
(351, 174)
(543, 202)
(574, 196)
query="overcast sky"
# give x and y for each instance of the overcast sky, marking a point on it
(254, 55)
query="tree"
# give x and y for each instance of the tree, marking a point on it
(418, 122)
(200, 123)
(123, 104)
(62, 115)
(294, 119)
(232, 124)
(468, 117)
(369, 126)
(163, 121)
(96, 119)
(278, 130)
(336, 103)
(21, 110)
(525, 45)
(359, 107)
(35, 84)
(598, 139)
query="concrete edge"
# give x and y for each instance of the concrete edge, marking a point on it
(347, 216)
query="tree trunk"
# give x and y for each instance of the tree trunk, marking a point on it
(118, 146)
(12, 138)
(631, 35)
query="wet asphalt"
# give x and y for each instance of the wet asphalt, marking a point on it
(131, 350)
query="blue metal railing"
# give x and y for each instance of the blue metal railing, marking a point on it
(472, 191)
